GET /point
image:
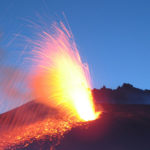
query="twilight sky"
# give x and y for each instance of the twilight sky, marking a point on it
(113, 36)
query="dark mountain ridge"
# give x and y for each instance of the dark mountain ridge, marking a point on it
(126, 94)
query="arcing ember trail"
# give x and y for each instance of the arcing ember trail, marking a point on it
(60, 80)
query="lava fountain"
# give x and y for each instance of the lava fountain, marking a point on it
(60, 83)
(61, 80)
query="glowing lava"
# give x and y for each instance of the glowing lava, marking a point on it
(61, 80)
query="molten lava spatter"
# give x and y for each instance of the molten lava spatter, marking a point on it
(58, 80)
(61, 80)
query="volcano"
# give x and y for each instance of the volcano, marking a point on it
(120, 127)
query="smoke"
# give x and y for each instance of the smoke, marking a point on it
(14, 90)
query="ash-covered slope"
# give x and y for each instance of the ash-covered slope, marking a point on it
(126, 94)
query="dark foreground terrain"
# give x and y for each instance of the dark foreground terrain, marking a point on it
(120, 127)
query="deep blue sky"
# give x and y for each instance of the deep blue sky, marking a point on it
(113, 36)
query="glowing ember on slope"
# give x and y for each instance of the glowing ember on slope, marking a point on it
(60, 77)
(21, 137)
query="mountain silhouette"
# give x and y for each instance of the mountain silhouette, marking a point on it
(126, 94)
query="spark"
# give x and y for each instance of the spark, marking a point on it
(61, 80)
(58, 79)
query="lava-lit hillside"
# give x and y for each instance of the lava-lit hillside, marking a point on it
(121, 127)
(25, 115)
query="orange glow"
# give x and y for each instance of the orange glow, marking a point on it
(61, 80)
(58, 79)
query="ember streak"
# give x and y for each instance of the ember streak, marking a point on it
(59, 80)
